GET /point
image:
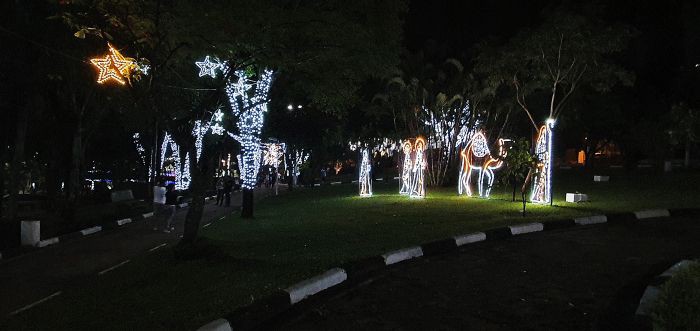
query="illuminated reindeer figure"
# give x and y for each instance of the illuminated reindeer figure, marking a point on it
(476, 156)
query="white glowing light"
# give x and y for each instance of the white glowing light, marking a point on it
(419, 164)
(249, 110)
(477, 156)
(383, 146)
(208, 67)
(365, 179)
(273, 154)
(406, 168)
(198, 133)
(218, 116)
(139, 147)
(541, 189)
(217, 129)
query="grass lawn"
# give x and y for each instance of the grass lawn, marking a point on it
(302, 233)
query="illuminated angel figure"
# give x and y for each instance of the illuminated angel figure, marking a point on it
(417, 176)
(477, 157)
(541, 189)
(365, 174)
(406, 169)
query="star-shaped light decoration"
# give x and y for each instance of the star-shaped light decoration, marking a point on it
(208, 67)
(114, 66)
(217, 129)
(241, 86)
(218, 116)
(108, 70)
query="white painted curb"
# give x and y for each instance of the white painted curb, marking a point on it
(470, 238)
(597, 219)
(147, 215)
(652, 213)
(526, 228)
(217, 325)
(316, 284)
(91, 230)
(335, 183)
(402, 255)
(47, 242)
(123, 221)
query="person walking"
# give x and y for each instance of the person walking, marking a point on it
(220, 191)
(170, 206)
(228, 186)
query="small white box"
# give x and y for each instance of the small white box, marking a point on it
(601, 178)
(576, 197)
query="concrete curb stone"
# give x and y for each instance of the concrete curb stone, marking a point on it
(558, 224)
(439, 247)
(354, 272)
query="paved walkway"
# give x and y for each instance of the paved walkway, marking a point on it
(585, 278)
(42, 273)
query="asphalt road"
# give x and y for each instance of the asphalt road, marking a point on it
(584, 278)
(30, 278)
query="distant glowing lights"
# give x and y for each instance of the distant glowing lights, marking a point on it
(365, 179)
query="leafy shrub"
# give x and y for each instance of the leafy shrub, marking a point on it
(678, 305)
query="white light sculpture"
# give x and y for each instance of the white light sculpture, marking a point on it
(406, 168)
(365, 174)
(541, 188)
(208, 67)
(250, 111)
(417, 171)
(477, 156)
(139, 147)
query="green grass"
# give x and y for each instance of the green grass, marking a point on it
(300, 234)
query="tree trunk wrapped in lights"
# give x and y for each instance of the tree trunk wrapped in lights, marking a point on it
(249, 108)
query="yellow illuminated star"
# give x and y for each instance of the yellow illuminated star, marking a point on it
(108, 70)
(114, 66)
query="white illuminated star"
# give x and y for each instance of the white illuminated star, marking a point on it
(208, 67)
(218, 116)
(217, 129)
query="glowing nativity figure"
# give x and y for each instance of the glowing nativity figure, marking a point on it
(542, 184)
(407, 149)
(417, 176)
(365, 174)
(477, 157)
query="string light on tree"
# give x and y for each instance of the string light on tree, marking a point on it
(542, 185)
(249, 110)
(365, 179)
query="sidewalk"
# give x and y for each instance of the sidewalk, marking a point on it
(42, 273)
(575, 279)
